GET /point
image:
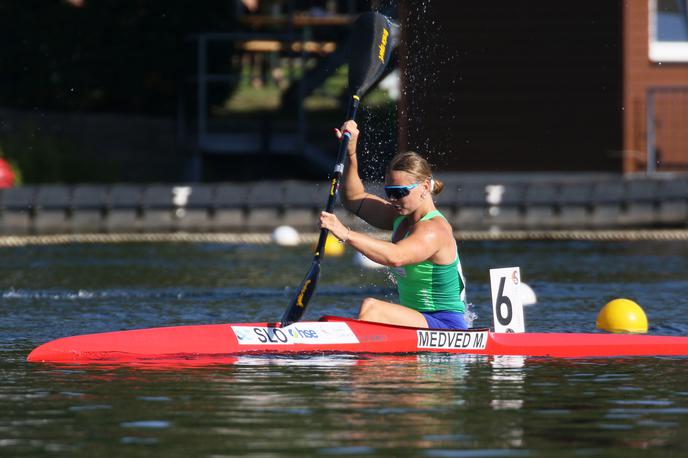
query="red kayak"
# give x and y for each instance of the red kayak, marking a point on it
(340, 335)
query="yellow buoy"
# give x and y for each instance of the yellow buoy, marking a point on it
(622, 315)
(333, 247)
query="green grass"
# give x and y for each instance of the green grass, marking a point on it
(324, 109)
(266, 98)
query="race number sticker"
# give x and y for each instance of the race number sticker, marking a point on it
(452, 340)
(297, 333)
(507, 306)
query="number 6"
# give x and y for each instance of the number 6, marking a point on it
(502, 299)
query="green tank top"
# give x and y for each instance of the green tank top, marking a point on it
(430, 287)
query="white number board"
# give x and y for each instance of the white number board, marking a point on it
(506, 300)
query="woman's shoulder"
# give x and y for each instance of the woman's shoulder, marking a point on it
(437, 224)
(432, 224)
(438, 232)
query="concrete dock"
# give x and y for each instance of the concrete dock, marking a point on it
(490, 204)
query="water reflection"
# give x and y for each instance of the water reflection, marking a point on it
(349, 404)
(507, 379)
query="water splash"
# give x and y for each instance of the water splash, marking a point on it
(422, 74)
(470, 315)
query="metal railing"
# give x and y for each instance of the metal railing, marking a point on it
(277, 130)
(212, 141)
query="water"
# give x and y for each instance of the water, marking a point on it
(342, 405)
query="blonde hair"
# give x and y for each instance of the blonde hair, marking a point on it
(415, 165)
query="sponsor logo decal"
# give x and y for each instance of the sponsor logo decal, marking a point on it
(452, 339)
(297, 333)
(383, 45)
(299, 298)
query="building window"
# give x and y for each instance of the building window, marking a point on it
(669, 30)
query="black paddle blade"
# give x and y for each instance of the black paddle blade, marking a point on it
(373, 37)
(306, 290)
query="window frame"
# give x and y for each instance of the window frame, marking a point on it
(663, 51)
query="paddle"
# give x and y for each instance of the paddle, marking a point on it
(370, 49)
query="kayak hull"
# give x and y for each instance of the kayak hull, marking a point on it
(341, 335)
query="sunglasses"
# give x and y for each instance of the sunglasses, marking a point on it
(399, 192)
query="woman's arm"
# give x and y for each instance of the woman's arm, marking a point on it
(370, 208)
(422, 243)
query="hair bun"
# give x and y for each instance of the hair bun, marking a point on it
(436, 186)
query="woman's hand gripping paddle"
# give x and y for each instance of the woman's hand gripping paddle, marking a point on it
(370, 49)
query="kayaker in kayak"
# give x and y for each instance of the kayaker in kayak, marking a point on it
(422, 255)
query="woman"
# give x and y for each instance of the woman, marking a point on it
(422, 254)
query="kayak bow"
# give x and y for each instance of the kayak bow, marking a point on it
(341, 335)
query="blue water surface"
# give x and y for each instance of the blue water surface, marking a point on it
(342, 405)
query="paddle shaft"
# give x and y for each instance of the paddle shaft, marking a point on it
(337, 175)
(298, 304)
(371, 47)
